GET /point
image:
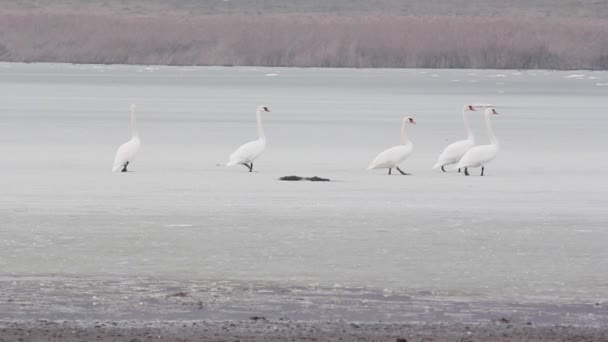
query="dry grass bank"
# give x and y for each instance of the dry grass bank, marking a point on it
(326, 40)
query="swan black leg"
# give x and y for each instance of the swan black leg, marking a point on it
(246, 165)
(482, 168)
(458, 169)
(389, 170)
(466, 171)
(251, 167)
(403, 173)
(124, 168)
(442, 169)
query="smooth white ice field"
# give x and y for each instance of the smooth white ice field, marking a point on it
(534, 228)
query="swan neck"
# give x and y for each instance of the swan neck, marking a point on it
(490, 129)
(467, 125)
(134, 132)
(260, 125)
(404, 132)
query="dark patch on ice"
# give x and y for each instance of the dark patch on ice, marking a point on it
(298, 178)
(504, 320)
(178, 294)
(318, 179)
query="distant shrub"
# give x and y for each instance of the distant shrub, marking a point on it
(601, 63)
(3, 51)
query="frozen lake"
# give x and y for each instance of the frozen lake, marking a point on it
(534, 229)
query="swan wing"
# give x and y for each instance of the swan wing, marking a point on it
(247, 153)
(453, 153)
(391, 157)
(478, 156)
(126, 153)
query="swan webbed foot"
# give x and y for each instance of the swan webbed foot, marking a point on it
(442, 169)
(482, 169)
(124, 168)
(249, 166)
(466, 171)
(389, 170)
(403, 173)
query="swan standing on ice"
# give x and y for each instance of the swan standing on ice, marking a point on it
(247, 153)
(392, 157)
(127, 151)
(453, 152)
(483, 154)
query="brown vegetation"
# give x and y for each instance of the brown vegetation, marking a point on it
(380, 40)
(493, 8)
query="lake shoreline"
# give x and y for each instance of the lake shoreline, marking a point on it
(282, 67)
(95, 299)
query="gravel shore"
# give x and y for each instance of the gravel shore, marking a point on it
(260, 329)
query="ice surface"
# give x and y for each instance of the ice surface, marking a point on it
(535, 228)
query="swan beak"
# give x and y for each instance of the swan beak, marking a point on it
(494, 112)
(472, 108)
(412, 121)
(266, 109)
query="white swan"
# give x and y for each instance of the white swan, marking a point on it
(483, 154)
(127, 151)
(392, 157)
(247, 153)
(453, 152)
